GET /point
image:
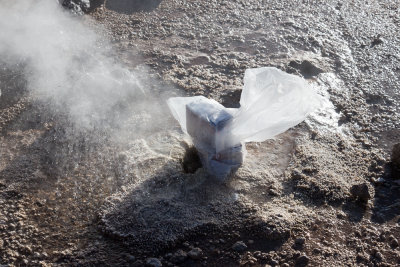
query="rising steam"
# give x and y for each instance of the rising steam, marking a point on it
(66, 63)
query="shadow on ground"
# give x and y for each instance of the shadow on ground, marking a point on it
(172, 208)
(387, 198)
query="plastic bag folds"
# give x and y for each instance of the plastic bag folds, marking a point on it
(271, 102)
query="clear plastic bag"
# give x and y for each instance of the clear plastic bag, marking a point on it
(271, 102)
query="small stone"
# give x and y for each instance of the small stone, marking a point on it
(300, 241)
(251, 242)
(179, 256)
(195, 254)
(317, 251)
(341, 215)
(361, 258)
(379, 181)
(360, 191)
(302, 261)
(379, 256)
(239, 246)
(273, 192)
(11, 226)
(377, 41)
(130, 258)
(394, 243)
(36, 255)
(153, 262)
(274, 263)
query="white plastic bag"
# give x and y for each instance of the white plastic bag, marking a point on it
(271, 102)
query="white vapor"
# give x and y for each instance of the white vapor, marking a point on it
(66, 61)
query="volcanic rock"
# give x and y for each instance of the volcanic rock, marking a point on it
(77, 6)
(396, 160)
(239, 246)
(360, 191)
(195, 254)
(394, 243)
(153, 262)
(302, 261)
(300, 241)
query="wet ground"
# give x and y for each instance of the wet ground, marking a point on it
(118, 194)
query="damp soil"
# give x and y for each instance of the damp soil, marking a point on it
(115, 196)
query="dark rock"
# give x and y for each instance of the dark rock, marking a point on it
(379, 256)
(361, 258)
(239, 246)
(302, 261)
(274, 263)
(179, 256)
(317, 251)
(273, 192)
(300, 241)
(377, 41)
(76, 6)
(396, 161)
(130, 258)
(306, 68)
(195, 254)
(360, 191)
(379, 181)
(153, 262)
(394, 243)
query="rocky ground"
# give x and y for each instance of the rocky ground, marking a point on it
(325, 193)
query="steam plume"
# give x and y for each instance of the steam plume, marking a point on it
(67, 62)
